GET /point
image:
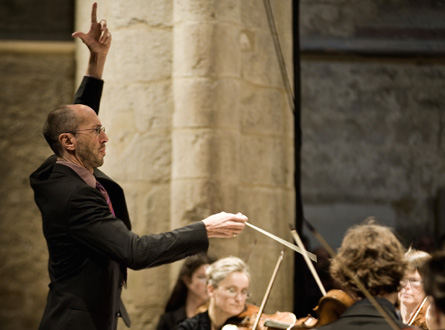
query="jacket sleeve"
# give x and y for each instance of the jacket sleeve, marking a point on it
(92, 224)
(89, 93)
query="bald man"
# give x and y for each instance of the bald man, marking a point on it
(85, 218)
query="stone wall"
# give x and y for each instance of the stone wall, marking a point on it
(373, 143)
(35, 77)
(373, 115)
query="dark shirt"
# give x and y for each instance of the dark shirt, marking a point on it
(363, 316)
(198, 322)
(171, 320)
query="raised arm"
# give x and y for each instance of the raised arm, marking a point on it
(98, 41)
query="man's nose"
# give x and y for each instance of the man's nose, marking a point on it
(103, 137)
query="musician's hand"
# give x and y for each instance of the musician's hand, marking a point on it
(225, 224)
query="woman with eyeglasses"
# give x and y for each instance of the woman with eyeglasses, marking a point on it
(228, 282)
(189, 292)
(412, 298)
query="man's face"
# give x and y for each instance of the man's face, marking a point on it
(90, 145)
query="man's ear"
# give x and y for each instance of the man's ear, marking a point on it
(68, 141)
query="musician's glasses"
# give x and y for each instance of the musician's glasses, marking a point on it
(231, 291)
(413, 282)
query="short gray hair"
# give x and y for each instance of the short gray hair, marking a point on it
(60, 120)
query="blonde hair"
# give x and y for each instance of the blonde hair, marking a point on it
(221, 268)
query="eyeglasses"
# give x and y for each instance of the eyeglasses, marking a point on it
(97, 130)
(415, 283)
(234, 292)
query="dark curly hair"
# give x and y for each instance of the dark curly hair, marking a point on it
(372, 253)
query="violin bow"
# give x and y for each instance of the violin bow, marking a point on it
(269, 288)
(354, 278)
(308, 261)
(418, 311)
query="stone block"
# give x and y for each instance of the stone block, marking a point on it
(264, 111)
(206, 102)
(207, 11)
(260, 65)
(143, 55)
(269, 209)
(141, 107)
(205, 153)
(140, 157)
(155, 14)
(193, 200)
(267, 151)
(206, 49)
(253, 15)
(149, 206)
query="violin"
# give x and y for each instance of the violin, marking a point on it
(253, 318)
(246, 320)
(330, 307)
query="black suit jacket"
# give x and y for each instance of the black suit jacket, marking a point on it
(89, 248)
(364, 316)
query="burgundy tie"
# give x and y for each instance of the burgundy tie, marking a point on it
(107, 198)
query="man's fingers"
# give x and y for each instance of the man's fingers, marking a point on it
(105, 38)
(240, 219)
(105, 34)
(94, 13)
(79, 35)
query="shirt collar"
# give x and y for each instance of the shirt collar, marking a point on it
(86, 176)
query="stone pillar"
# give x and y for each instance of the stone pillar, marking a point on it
(232, 130)
(198, 123)
(206, 121)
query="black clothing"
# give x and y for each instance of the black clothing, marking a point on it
(364, 316)
(171, 320)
